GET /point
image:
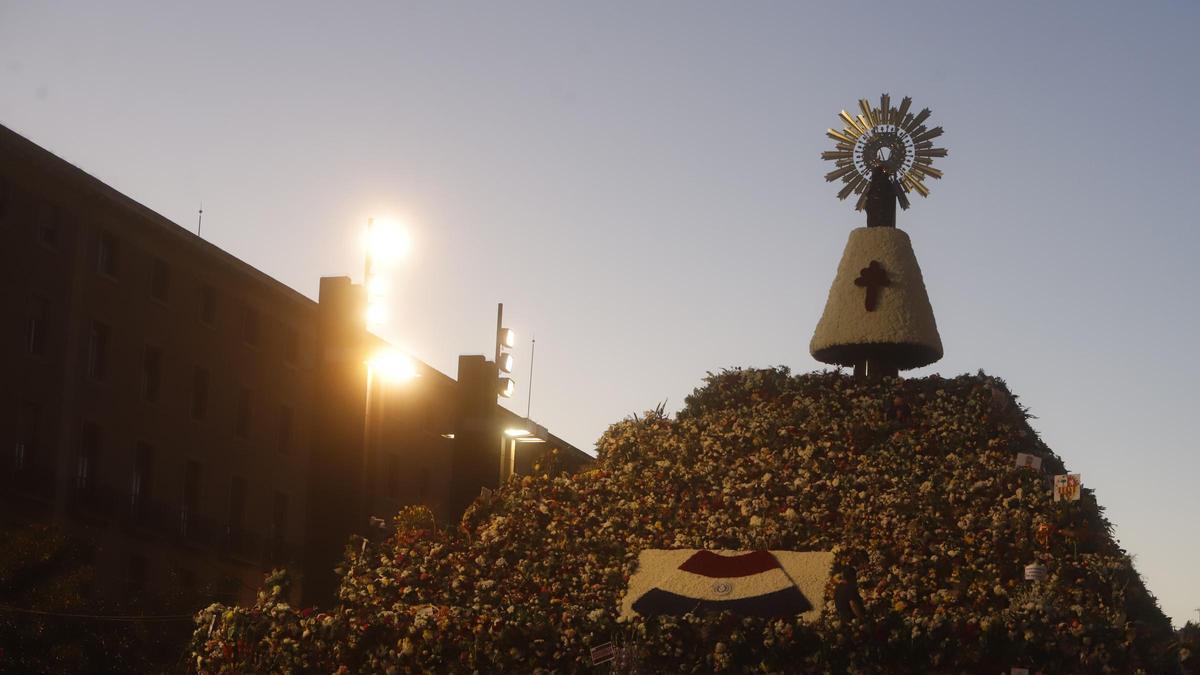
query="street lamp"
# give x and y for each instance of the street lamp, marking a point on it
(508, 446)
(385, 243)
(391, 366)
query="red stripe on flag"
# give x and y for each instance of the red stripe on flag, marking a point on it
(709, 564)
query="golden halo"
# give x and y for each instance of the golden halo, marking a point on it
(893, 138)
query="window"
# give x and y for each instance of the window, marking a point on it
(285, 429)
(237, 509)
(242, 426)
(97, 350)
(39, 317)
(276, 551)
(47, 224)
(199, 394)
(393, 477)
(279, 516)
(160, 280)
(88, 461)
(27, 436)
(151, 373)
(250, 326)
(291, 346)
(190, 506)
(135, 580)
(208, 305)
(106, 255)
(143, 471)
(187, 579)
(424, 486)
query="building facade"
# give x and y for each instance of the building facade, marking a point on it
(198, 420)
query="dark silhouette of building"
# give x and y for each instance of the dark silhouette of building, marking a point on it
(198, 419)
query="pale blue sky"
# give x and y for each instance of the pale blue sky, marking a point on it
(639, 183)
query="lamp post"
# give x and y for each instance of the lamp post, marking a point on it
(506, 339)
(512, 437)
(383, 245)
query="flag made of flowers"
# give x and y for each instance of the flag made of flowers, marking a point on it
(748, 583)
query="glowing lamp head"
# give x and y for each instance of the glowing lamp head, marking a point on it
(516, 433)
(376, 315)
(507, 387)
(378, 287)
(505, 363)
(386, 241)
(507, 338)
(391, 365)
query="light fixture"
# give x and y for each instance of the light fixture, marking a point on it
(507, 386)
(530, 439)
(376, 316)
(386, 241)
(378, 287)
(449, 436)
(505, 363)
(516, 432)
(391, 365)
(507, 338)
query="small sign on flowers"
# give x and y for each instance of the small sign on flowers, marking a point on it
(1028, 461)
(1067, 487)
(603, 653)
(1035, 572)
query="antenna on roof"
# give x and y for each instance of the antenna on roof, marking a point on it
(200, 219)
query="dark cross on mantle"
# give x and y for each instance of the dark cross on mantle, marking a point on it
(872, 277)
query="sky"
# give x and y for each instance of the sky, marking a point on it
(640, 185)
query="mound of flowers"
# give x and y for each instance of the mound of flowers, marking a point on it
(911, 483)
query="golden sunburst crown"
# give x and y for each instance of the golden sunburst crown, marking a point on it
(893, 139)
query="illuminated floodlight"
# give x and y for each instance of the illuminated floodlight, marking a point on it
(376, 315)
(391, 365)
(386, 241)
(507, 387)
(448, 436)
(507, 338)
(506, 363)
(531, 439)
(378, 287)
(516, 432)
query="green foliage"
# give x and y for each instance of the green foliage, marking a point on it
(910, 482)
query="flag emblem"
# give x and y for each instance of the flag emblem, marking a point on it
(754, 583)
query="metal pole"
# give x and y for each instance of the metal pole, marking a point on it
(508, 459)
(495, 384)
(368, 261)
(499, 326)
(529, 384)
(364, 498)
